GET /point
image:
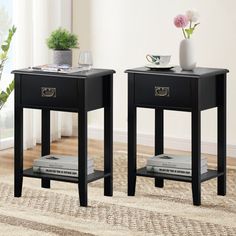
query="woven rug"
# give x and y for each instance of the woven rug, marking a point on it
(153, 211)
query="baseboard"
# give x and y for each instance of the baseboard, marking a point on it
(6, 143)
(170, 143)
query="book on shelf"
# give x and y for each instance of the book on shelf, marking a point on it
(62, 172)
(174, 161)
(173, 171)
(60, 162)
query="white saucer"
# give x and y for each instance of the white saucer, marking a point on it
(154, 66)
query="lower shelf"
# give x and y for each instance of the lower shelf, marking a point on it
(204, 177)
(92, 177)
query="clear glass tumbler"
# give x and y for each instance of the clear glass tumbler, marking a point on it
(86, 59)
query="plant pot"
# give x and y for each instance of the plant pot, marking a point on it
(61, 57)
(186, 55)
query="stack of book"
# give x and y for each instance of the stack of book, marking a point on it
(173, 165)
(60, 165)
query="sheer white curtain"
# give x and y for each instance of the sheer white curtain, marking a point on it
(35, 19)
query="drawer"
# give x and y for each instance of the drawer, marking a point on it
(156, 90)
(49, 92)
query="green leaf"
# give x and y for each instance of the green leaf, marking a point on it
(4, 95)
(6, 44)
(8, 91)
(189, 32)
(5, 47)
(195, 25)
(11, 86)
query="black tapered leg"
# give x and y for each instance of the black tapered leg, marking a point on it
(83, 193)
(18, 146)
(45, 183)
(108, 136)
(196, 157)
(221, 145)
(18, 152)
(159, 140)
(132, 132)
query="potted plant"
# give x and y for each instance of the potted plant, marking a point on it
(3, 57)
(62, 41)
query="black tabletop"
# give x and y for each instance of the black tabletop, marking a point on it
(79, 75)
(198, 72)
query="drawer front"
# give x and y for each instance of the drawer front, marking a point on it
(162, 91)
(49, 92)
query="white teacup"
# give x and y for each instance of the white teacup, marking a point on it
(162, 60)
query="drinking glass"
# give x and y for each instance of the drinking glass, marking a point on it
(86, 60)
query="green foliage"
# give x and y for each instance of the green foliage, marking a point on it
(6, 45)
(3, 57)
(62, 39)
(190, 31)
(4, 95)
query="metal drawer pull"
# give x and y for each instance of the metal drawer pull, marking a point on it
(162, 91)
(48, 92)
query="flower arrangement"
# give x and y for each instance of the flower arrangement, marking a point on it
(182, 21)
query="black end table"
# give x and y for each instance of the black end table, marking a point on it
(78, 92)
(190, 91)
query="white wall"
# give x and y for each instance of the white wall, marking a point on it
(120, 34)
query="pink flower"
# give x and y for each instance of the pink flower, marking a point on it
(181, 21)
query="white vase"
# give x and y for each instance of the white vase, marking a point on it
(186, 54)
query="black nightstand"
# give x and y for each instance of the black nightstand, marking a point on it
(78, 92)
(190, 91)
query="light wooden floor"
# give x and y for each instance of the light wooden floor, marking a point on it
(68, 146)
